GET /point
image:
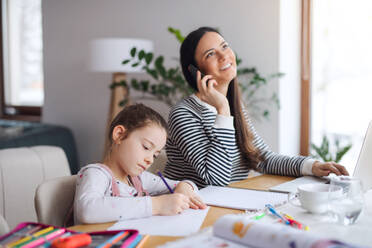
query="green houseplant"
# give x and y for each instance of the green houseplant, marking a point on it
(168, 85)
(324, 152)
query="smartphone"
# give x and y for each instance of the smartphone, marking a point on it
(193, 71)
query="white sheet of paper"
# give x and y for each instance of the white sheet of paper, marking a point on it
(292, 185)
(204, 239)
(241, 198)
(183, 224)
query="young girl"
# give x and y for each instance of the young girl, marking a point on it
(120, 188)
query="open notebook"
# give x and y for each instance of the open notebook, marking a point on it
(292, 185)
(243, 199)
(237, 231)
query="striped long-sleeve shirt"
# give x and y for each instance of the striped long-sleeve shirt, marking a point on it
(202, 147)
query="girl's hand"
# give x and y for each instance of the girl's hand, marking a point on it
(324, 168)
(169, 204)
(207, 93)
(195, 201)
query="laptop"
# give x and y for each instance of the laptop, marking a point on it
(362, 170)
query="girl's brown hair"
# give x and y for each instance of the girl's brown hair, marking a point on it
(243, 134)
(134, 117)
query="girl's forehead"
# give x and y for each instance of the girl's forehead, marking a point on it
(151, 128)
(152, 132)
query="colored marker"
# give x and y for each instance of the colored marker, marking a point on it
(31, 230)
(135, 241)
(76, 240)
(292, 221)
(274, 212)
(114, 240)
(49, 242)
(258, 217)
(142, 242)
(49, 236)
(37, 234)
(306, 228)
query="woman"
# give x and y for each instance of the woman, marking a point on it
(211, 140)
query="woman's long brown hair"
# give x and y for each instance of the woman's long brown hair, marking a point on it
(243, 134)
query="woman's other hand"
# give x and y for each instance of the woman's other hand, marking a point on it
(195, 201)
(321, 169)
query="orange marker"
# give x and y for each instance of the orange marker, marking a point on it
(73, 241)
(115, 239)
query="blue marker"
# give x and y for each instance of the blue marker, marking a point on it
(274, 212)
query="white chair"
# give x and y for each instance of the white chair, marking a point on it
(4, 228)
(22, 170)
(54, 199)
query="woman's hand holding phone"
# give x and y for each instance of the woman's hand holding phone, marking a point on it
(207, 92)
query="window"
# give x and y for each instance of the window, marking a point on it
(341, 73)
(22, 77)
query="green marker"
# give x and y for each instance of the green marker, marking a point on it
(257, 217)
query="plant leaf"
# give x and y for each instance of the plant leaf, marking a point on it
(134, 84)
(113, 85)
(133, 52)
(125, 61)
(123, 83)
(177, 33)
(340, 153)
(148, 58)
(123, 102)
(238, 60)
(153, 73)
(145, 85)
(159, 66)
(141, 54)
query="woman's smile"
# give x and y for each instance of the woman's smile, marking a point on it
(225, 67)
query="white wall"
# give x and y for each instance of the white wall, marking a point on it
(79, 99)
(289, 85)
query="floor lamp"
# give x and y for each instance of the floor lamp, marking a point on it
(107, 55)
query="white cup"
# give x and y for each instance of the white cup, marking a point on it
(313, 197)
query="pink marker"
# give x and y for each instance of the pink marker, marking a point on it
(42, 240)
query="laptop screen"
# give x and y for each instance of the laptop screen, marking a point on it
(363, 169)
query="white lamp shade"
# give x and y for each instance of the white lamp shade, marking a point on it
(107, 54)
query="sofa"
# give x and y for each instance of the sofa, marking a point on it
(24, 134)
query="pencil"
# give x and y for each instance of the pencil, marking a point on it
(165, 182)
